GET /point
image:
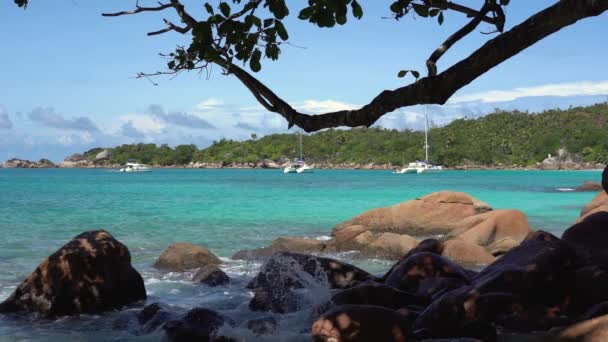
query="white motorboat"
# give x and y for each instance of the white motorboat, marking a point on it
(298, 165)
(422, 166)
(132, 166)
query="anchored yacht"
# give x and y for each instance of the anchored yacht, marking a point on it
(422, 166)
(298, 165)
(132, 166)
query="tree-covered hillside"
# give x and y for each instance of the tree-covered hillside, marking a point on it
(510, 138)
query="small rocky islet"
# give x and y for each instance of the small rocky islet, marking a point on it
(463, 272)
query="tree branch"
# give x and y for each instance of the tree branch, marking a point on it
(459, 8)
(431, 63)
(139, 9)
(433, 89)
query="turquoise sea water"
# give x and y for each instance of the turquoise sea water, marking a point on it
(225, 210)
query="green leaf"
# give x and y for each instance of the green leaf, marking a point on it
(225, 9)
(440, 18)
(306, 13)
(209, 8)
(171, 65)
(254, 62)
(433, 12)
(416, 74)
(281, 31)
(402, 73)
(357, 10)
(504, 2)
(268, 22)
(421, 10)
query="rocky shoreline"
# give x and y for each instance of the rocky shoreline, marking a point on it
(485, 276)
(76, 163)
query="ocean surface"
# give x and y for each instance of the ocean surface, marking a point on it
(225, 210)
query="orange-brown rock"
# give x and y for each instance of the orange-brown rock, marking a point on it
(389, 246)
(498, 230)
(436, 213)
(593, 330)
(466, 253)
(183, 256)
(599, 203)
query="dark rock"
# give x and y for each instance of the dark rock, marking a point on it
(361, 323)
(211, 276)
(198, 324)
(589, 236)
(262, 326)
(461, 313)
(183, 256)
(89, 274)
(285, 272)
(427, 274)
(152, 317)
(605, 179)
(374, 294)
(428, 245)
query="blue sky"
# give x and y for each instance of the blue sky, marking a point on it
(66, 75)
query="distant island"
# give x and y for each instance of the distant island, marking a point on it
(576, 138)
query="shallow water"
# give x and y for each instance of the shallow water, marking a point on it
(226, 210)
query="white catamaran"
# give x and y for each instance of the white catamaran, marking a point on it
(298, 165)
(422, 166)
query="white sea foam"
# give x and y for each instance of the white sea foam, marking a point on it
(564, 189)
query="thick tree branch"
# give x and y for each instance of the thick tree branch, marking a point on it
(431, 63)
(433, 89)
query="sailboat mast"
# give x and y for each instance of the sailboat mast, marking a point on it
(301, 149)
(426, 136)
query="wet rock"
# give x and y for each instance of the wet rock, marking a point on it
(152, 317)
(361, 323)
(374, 294)
(282, 244)
(590, 236)
(466, 253)
(90, 274)
(275, 285)
(462, 312)
(605, 179)
(538, 271)
(211, 276)
(428, 245)
(198, 324)
(262, 326)
(427, 274)
(183, 256)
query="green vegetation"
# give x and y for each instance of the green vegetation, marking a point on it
(508, 138)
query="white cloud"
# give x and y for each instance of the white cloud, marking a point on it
(583, 88)
(315, 106)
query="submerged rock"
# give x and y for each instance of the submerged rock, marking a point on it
(183, 256)
(361, 323)
(275, 287)
(89, 274)
(262, 326)
(282, 244)
(198, 324)
(589, 186)
(211, 275)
